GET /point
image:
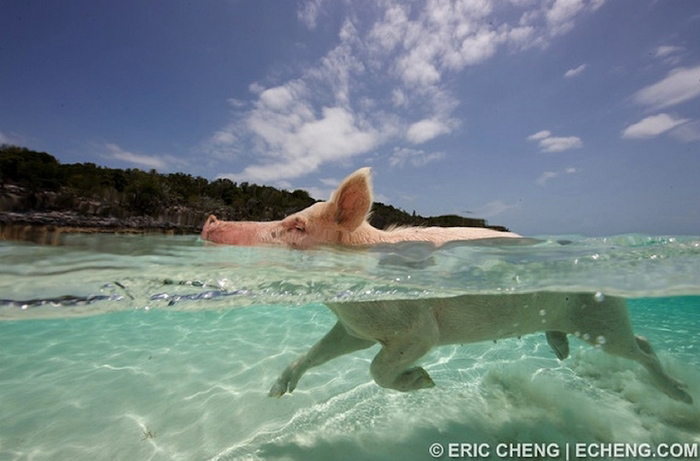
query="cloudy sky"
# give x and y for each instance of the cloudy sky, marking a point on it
(549, 117)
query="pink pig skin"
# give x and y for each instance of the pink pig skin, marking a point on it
(340, 221)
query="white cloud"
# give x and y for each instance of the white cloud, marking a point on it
(279, 98)
(224, 138)
(256, 88)
(665, 51)
(330, 182)
(417, 67)
(539, 135)
(385, 80)
(296, 142)
(547, 175)
(9, 139)
(147, 161)
(451, 35)
(680, 85)
(543, 21)
(319, 193)
(389, 32)
(560, 16)
(494, 208)
(337, 68)
(559, 144)
(399, 98)
(444, 36)
(416, 157)
(474, 49)
(425, 130)
(576, 71)
(308, 13)
(687, 132)
(549, 143)
(669, 54)
(238, 103)
(652, 126)
(4, 139)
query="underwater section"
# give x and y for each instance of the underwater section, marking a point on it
(164, 385)
(165, 348)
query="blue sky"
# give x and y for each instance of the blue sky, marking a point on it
(549, 117)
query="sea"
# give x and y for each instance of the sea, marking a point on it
(133, 347)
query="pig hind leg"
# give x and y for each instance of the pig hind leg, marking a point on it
(391, 368)
(644, 354)
(607, 326)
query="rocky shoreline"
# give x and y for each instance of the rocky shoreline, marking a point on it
(49, 227)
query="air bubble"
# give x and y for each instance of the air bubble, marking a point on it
(599, 297)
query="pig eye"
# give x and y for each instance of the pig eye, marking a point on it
(297, 225)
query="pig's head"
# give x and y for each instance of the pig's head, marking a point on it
(331, 222)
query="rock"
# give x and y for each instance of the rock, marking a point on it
(49, 227)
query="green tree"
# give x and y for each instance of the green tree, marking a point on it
(145, 195)
(33, 170)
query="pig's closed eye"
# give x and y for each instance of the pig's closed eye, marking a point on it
(295, 226)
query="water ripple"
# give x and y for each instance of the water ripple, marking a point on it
(109, 273)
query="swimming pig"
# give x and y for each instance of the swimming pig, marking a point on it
(408, 329)
(342, 220)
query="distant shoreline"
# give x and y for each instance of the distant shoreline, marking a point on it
(49, 227)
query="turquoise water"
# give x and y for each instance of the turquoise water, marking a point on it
(136, 348)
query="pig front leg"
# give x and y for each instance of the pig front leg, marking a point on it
(336, 343)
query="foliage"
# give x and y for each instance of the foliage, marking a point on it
(34, 170)
(133, 192)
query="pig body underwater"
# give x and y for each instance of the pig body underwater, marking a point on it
(408, 329)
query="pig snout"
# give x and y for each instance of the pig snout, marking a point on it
(236, 233)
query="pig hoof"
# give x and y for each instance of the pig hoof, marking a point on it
(673, 388)
(414, 379)
(677, 390)
(284, 384)
(278, 389)
(680, 395)
(559, 343)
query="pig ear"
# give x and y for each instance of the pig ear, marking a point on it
(353, 199)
